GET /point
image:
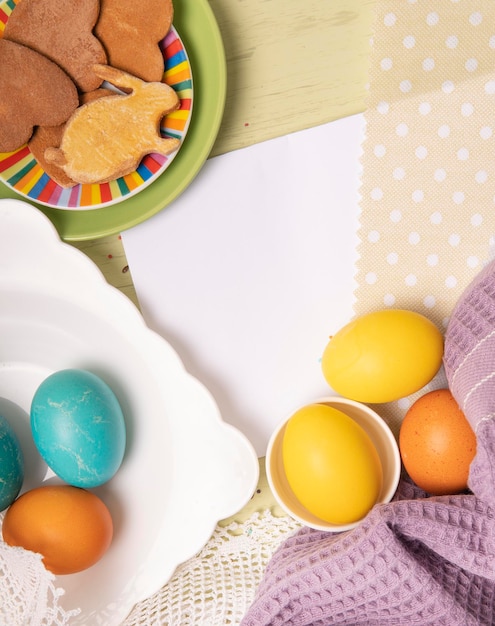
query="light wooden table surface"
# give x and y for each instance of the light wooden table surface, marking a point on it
(291, 65)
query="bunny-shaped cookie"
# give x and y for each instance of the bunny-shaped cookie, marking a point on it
(34, 91)
(63, 32)
(107, 138)
(130, 32)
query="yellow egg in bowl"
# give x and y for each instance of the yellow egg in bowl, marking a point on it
(331, 461)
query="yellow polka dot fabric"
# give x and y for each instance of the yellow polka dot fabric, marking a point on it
(428, 184)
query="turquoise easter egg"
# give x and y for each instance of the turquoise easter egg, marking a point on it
(78, 427)
(11, 465)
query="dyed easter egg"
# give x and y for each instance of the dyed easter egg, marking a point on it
(78, 427)
(70, 527)
(11, 464)
(383, 356)
(331, 464)
(437, 443)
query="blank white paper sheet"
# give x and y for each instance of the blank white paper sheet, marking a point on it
(251, 269)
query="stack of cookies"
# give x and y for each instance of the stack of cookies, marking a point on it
(55, 57)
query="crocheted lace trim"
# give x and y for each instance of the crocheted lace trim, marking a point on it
(217, 586)
(28, 594)
(214, 588)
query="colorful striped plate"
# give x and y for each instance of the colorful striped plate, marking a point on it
(20, 171)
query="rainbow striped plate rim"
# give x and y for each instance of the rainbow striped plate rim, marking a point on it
(22, 173)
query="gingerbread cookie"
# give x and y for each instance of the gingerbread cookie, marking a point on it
(130, 32)
(62, 31)
(33, 91)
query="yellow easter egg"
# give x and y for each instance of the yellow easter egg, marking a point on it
(383, 356)
(331, 464)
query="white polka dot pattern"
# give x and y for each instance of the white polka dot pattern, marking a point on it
(428, 184)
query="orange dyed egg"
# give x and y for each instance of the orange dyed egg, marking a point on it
(69, 526)
(437, 444)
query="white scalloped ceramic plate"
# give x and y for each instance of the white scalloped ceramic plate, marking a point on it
(184, 469)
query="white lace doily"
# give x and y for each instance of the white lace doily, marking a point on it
(214, 588)
(28, 595)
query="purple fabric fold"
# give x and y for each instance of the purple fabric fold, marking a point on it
(469, 360)
(419, 560)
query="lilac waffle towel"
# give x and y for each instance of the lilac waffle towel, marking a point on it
(469, 360)
(418, 560)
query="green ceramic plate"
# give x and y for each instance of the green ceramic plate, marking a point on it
(199, 31)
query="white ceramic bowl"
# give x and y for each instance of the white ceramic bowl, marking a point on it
(382, 438)
(184, 468)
